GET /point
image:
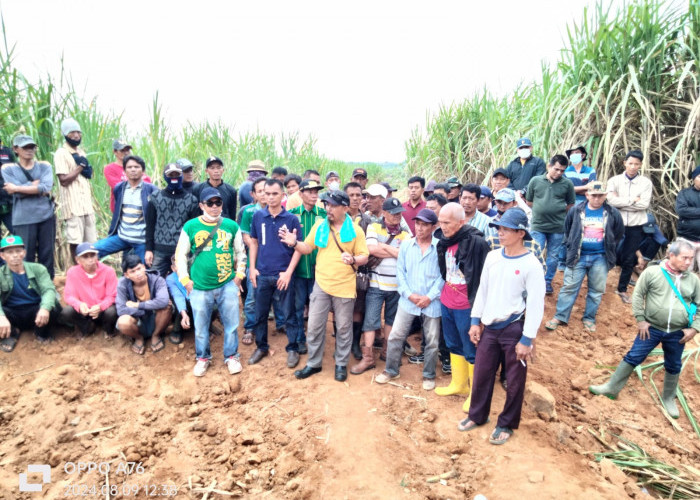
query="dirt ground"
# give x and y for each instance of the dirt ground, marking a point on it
(263, 433)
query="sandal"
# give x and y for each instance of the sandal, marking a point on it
(463, 425)
(589, 326)
(158, 346)
(553, 324)
(624, 297)
(247, 338)
(138, 348)
(8, 344)
(497, 432)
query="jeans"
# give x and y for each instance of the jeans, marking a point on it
(374, 301)
(203, 301)
(455, 328)
(670, 344)
(162, 263)
(39, 242)
(319, 307)
(265, 294)
(113, 244)
(302, 291)
(399, 332)
(596, 268)
(553, 242)
(249, 306)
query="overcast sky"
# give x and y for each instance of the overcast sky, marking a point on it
(359, 76)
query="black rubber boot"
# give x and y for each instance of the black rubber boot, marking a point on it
(356, 334)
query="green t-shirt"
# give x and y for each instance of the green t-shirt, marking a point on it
(549, 201)
(214, 266)
(247, 217)
(307, 263)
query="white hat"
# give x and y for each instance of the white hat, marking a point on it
(377, 190)
(69, 125)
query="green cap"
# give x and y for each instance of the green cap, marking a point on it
(11, 241)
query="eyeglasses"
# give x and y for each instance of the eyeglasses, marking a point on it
(214, 203)
(29, 147)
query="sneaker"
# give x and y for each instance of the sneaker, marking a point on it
(408, 350)
(234, 365)
(418, 359)
(200, 368)
(428, 384)
(446, 367)
(384, 377)
(549, 290)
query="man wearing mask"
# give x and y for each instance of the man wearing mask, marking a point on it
(74, 173)
(578, 173)
(167, 212)
(332, 181)
(188, 182)
(630, 193)
(215, 173)
(256, 170)
(523, 168)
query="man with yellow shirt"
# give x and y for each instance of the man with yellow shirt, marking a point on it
(341, 249)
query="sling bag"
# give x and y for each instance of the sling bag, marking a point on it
(692, 309)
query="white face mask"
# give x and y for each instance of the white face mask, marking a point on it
(524, 153)
(334, 185)
(576, 158)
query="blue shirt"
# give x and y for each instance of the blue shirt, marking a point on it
(177, 292)
(593, 232)
(273, 255)
(419, 272)
(586, 175)
(22, 295)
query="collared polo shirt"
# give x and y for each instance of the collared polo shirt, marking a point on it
(273, 255)
(419, 272)
(411, 212)
(307, 219)
(549, 201)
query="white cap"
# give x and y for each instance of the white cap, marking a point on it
(69, 125)
(377, 190)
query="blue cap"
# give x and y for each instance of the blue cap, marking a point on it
(524, 142)
(506, 195)
(84, 248)
(426, 215)
(486, 192)
(208, 193)
(696, 172)
(514, 218)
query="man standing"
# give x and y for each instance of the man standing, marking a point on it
(215, 172)
(354, 192)
(593, 230)
(469, 199)
(272, 271)
(188, 182)
(213, 277)
(504, 323)
(578, 173)
(525, 167)
(29, 182)
(461, 254)
(688, 210)
(295, 199)
(455, 190)
(27, 295)
(420, 286)
(415, 202)
(485, 203)
(74, 173)
(256, 170)
(114, 172)
(550, 196)
(142, 305)
(278, 173)
(499, 180)
(630, 193)
(6, 156)
(167, 212)
(383, 242)
(665, 301)
(376, 194)
(308, 213)
(435, 202)
(128, 228)
(90, 293)
(341, 248)
(359, 175)
(332, 180)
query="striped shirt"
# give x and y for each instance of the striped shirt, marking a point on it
(384, 275)
(480, 221)
(132, 226)
(419, 272)
(76, 197)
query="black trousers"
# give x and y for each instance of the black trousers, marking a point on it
(628, 255)
(107, 319)
(39, 241)
(24, 319)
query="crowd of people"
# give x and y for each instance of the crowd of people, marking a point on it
(468, 265)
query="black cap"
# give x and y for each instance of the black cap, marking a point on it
(388, 187)
(336, 197)
(580, 148)
(500, 171)
(393, 206)
(214, 159)
(426, 215)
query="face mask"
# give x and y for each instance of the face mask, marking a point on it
(524, 153)
(209, 218)
(334, 185)
(255, 175)
(72, 143)
(576, 158)
(174, 183)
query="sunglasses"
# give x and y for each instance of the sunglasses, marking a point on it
(214, 203)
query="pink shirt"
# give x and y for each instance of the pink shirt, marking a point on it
(100, 289)
(114, 173)
(454, 293)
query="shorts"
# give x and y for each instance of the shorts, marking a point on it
(373, 308)
(147, 324)
(80, 229)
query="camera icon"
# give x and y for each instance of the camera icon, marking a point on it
(43, 469)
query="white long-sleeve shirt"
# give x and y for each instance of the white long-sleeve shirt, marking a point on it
(504, 281)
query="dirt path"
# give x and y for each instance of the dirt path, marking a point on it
(265, 434)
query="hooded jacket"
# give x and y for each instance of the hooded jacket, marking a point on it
(471, 254)
(688, 210)
(159, 295)
(613, 230)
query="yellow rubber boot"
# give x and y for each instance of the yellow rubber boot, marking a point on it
(470, 373)
(460, 382)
